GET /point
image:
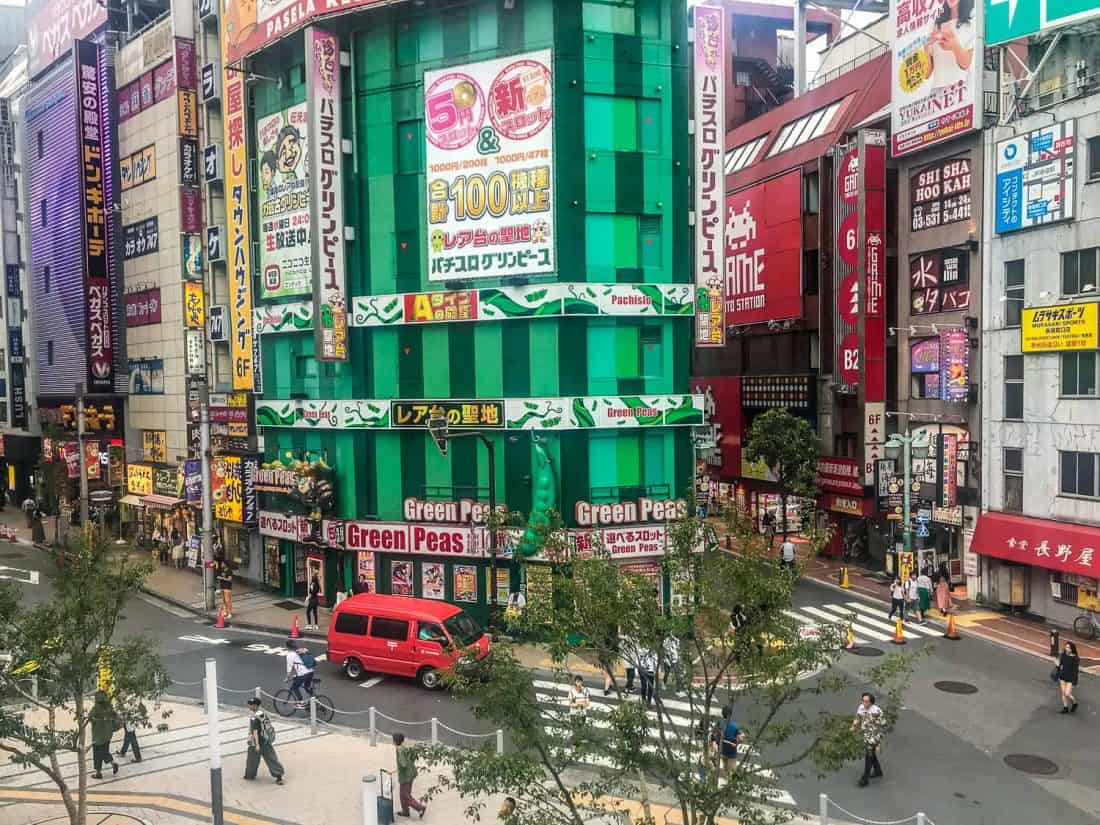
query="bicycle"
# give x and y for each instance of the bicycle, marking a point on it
(286, 705)
(1087, 625)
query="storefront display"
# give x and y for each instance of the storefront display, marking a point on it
(401, 578)
(364, 569)
(273, 564)
(465, 583)
(432, 581)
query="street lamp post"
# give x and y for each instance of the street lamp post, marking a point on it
(909, 446)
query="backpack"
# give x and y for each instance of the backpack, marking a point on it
(309, 661)
(267, 730)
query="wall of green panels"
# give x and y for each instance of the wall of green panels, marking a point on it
(621, 187)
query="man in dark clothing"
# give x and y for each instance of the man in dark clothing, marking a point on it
(259, 745)
(104, 724)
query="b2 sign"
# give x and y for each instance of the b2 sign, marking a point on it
(1035, 178)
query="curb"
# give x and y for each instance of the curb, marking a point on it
(203, 614)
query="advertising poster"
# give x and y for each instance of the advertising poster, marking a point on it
(490, 156)
(432, 581)
(139, 479)
(194, 305)
(237, 219)
(1034, 178)
(1059, 328)
(146, 376)
(949, 470)
(764, 251)
(283, 199)
(330, 299)
(954, 365)
(191, 257)
(143, 308)
(924, 357)
(226, 488)
(91, 459)
(504, 585)
(364, 570)
(71, 452)
(940, 281)
(936, 77)
(401, 578)
(154, 445)
(939, 194)
(95, 236)
(192, 482)
(710, 152)
(465, 583)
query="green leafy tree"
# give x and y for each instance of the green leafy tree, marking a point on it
(565, 768)
(789, 448)
(54, 651)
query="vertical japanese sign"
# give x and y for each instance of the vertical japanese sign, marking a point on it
(490, 157)
(846, 283)
(872, 210)
(239, 253)
(282, 146)
(97, 283)
(935, 78)
(710, 143)
(194, 306)
(954, 365)
(326, 197)
(947, 475)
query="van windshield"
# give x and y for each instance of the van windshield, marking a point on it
(463, 629)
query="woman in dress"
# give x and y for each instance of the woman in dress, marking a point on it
(943, 592)
(1069, 666)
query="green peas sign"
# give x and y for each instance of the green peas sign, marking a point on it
(1009, 19)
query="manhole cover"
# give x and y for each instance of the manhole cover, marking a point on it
(101, 818)
(956, 687)
(1029, 763)
(865, 651)
(288, 605)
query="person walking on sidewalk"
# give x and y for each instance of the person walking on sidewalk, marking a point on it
(897, 600)
(104, 724)
(943, 591)
(869, 721)
(912, 595)
(312, 603)
(1069, 668)
(224, 575)
(578, 698)
(406, 774)
(261, 744)
(786, 554)
(924, 595)
(647, 675)
(132, 716)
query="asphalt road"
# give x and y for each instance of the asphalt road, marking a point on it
(945, 758)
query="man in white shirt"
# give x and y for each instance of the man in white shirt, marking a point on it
(786, 553)
(298, 673)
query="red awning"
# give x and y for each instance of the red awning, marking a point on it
(1071, 548)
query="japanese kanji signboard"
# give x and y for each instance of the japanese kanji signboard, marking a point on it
(490, 154)
(283, 150)
(467, 413)
(710, 151)
(1059, 328)
(1070, 548)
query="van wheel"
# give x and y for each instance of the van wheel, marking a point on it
(353, 669)
(429, 678)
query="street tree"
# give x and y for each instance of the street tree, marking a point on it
(58, 652)
(725, 641)
(788, 447)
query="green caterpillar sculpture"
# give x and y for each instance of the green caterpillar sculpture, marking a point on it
(543, 499)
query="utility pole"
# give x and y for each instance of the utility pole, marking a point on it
(213, 740)
(83, 457)
(207, 502)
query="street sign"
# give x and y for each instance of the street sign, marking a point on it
(1009, 19)
(438, 428)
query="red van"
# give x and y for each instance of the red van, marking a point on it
(402, 636)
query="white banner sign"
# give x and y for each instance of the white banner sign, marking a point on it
(490, 154)
(710, 178)
(283, 200)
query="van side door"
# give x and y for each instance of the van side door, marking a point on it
(390, 642)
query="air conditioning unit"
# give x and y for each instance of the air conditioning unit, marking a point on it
(215, 243)
(210, 84)
(213, 163)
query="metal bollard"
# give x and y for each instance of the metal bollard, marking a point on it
(313, 715)
(823, 809)
(921, 820)
(435, 731)
(258, 693)
(1054, 645)
(370, 801)
(373, 729)
(202, 701)
(500, 742)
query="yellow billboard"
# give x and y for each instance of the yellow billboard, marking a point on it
(226, 488)
(1059, 328)
(139, 479)
(238, 241)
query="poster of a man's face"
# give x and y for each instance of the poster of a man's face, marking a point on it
(288, 147)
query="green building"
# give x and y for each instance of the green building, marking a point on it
(518, 261)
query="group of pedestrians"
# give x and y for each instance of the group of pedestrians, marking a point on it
(915, 592)
(642, 665)
(105, 719)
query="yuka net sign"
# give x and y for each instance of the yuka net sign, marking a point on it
(764, 251)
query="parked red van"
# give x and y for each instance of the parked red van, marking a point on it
(402, 636)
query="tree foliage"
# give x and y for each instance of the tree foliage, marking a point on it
(568, 768)
(789, 448)
(55, 650)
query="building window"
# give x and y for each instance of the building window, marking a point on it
(1079, 271)
(619, 123)
(1014, 480)
(1014, 292)
(41, 144)
(741, 78)
(42, 213)
(45, 279)
(1079, 374)
(741, 156)
(1014, 387)
(49, 353)
(806, 128)
(1078, 474)
(811, 193)
(1094, 158)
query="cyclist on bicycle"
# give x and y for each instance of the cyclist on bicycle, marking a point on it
(299, 670)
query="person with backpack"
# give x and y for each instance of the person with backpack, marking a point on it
(300, 664)
(731, 737)
(261, 743)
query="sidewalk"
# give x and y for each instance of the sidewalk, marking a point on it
(1031, 636)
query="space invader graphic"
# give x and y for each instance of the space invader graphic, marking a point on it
(744, 261)
(740, 228)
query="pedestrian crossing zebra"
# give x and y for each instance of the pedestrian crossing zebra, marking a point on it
(553, 699)
(161, 750)
(869, 623)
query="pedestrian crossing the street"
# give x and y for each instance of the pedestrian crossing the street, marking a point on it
(869, 624)
(553, 699)
(174, 748)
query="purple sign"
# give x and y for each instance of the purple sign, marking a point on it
(185, 63)
(192, 481)
(954, 365)
(164, 81)
(146, 87)
(143, 308)
(924, 356)
(190, 210)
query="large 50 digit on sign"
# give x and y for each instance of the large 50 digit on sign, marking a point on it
(490, 151)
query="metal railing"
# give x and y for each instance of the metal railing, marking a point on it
(847, 66)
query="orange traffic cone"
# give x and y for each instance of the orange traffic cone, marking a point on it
(294, 628)
(850, 642)
(844, 578)
(951, 632)
(221, 618)
(899, 636)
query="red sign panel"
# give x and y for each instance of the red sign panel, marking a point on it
(764, 251)
(1067, 547)
(427, 307)
(723, 403)
(143, 308)
(874, 273)
(839, 475)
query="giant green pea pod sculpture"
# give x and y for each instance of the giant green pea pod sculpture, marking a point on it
(543, 499)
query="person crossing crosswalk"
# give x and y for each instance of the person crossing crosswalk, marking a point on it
(172, 748)
(677, 716)
(869, 623)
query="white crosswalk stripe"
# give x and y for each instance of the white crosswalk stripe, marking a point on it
(553, 698)
(842, 617)
(176, 747)
(869, 624)
(867, 610)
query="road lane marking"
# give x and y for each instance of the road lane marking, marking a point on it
(372, 681)
(32, 575)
